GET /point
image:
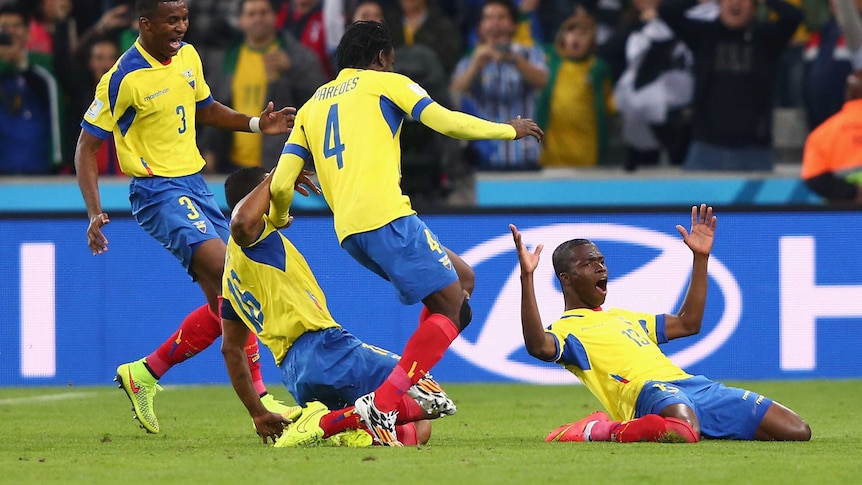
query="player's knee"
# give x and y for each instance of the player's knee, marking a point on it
(800, 431)
(466, 315)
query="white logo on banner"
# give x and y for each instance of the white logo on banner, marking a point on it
(656, 286)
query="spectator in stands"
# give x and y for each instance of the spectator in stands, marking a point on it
(265, 66)
(51, 23)
(574, 106)
(368, 10)
(212, 30)
(653, 89)
(425, 24)
(29, 112)
(499, 80)
(832, 161)
(736, 58)
(304, 20)
(90, 62)
(828, 62)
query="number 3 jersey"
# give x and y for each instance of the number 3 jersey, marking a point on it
(270, 287)
(150, 109)
(614, 353)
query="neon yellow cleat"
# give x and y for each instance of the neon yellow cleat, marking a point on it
(353, 438)
(273, 405)
(306, 429)
(140, 387)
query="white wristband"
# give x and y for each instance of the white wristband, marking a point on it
(254, 124)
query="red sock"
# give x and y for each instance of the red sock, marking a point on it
(252, 352)
(652, 427)
(337, 421)
(198, 331)
(406, 434)
(424, 349)
(409, 410)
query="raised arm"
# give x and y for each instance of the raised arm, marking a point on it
(539, 343)
(688, 319)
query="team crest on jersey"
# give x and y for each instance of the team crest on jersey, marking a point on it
(202, 226)
(445, 261)
(189, 74)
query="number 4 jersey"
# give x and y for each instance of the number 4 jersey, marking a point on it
(614, 353)
(150, 109)
(270, 288)
(351, 128)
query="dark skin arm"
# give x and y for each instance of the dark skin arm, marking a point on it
(539, 343)
(688, 319)
(234, 336)
(271, 122)
(246, 221)
(87, 173)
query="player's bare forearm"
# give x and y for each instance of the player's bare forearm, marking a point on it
(223, 117)
(691, 311)
(87, 172)
(539, 344)
(234, 336)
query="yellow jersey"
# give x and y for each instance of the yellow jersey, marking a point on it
(150, 108)
(351, 128)
(614, 353)
(270, 287)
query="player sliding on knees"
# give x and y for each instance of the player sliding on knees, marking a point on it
(615, 354)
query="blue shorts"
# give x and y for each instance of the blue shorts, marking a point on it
(178, 212)
(406, 253)
(723, 412)
(334, 367)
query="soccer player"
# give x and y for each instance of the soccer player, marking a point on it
(615, 354)
(270, 290)
(350, 127)
(150, 102)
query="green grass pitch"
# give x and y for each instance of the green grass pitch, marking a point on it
(87, 435)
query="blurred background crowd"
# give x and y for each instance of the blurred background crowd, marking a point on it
(692, 84)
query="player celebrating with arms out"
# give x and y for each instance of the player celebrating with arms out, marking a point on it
(149, 102)
(351, 128)
(616, 355)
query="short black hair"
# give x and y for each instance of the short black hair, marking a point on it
(361, 43)
(562, 257)
(513, 10)
(241, 182)
(15, 8)
(148, 8)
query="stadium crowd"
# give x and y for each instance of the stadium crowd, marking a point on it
(692, 82)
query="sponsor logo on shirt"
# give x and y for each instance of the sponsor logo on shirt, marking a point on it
(157, 94)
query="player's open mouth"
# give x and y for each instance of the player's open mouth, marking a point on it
(602, 285)
(176, 43)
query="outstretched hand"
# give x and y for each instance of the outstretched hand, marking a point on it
(95, 239)
(703, 223)
(526, 127)
(270, 426)
(304, 178)
(277, 122)
(529, 261)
